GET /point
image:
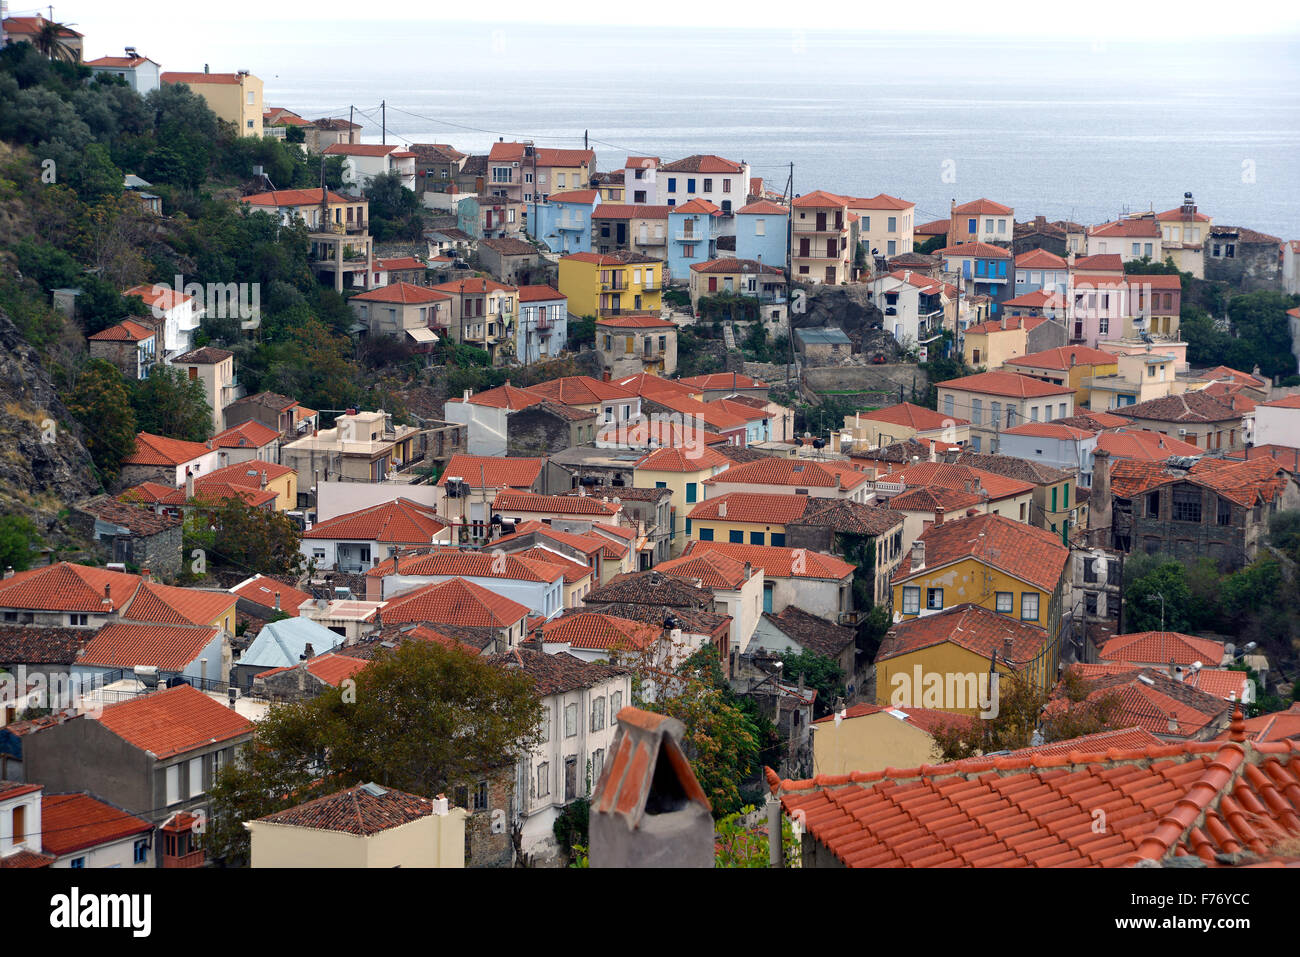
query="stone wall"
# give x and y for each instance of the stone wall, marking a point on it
(887, 377)
(1253, 266)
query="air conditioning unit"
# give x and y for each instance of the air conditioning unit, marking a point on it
(1182, 432)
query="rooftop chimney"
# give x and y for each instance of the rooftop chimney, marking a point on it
(938, 515)
(146, 574)
(749, 571)
(189, 484)
(108, 597)
(918, 555)
(308, 651)
(1173, 723)
(277, 601)
(9, 571)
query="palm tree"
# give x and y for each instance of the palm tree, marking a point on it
(52, 44)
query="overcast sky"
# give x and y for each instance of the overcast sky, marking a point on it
(179, 34)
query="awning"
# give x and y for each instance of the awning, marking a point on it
(422, 335)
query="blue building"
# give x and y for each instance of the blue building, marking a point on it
(543, 328)
(761, 232)
(983, 270)
(1038, 269)
(692, 236)
(564, 221)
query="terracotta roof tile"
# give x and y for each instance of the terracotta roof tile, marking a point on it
(403, 293)
(75, 822)
(363, 810)
(761, 507)
(969, 626)
(173, 721)
(1007, 384)
(67, 587)
(170, 648)
(401, 521)
(796, 473)
(500, 473)
(160, 450)
(592, 631)
(170, 605)
(1159, 647)
(777, 561)
(512, 501)
(1031, 554)
(455, 601)
(683, 460)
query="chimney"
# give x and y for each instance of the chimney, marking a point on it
(1099, 503)
(205, 68)
(722, 510)
(1004, 322)
(918, 555)
(1173, 723)
(108, 597)
(9, 571)
(1007, 644)
(932, 455)
(604, 376)
(146, 574)
(1173, 671)
(749, 571)
(654, 812)
(189, 484)
(277, 601)
(466, 395)
(938, 515)
(308, 651)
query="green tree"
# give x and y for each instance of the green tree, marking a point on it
(1259, 319)
(171, 404)
(818, 672)
(737, 846)
(394, 209)
(1155, 588)
(245, 538)
(421, 718)
(18, 540)
(102, 406)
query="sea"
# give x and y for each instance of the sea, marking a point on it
(1085, 128)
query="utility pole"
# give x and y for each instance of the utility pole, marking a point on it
(350, 109)
(788, 196)
(383, 128)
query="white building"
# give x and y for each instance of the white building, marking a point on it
(140, 73)
(1278, 422)
(722, 182)
(180, 313)
(362, 162)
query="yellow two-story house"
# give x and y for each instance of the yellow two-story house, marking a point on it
(684, 471)
(749, 518)
(1005, 566)
(1066, 365)
(612, 284)
(234, 97)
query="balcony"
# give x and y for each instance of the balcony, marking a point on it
(651, 287)
(614, 287)
(681, 237)
(822, 256)
(192, 859)
(827, 229)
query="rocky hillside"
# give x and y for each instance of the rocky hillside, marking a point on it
(847, 308)
(42, 461)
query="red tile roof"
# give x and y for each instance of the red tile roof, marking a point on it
(174, 721)
(1101, 262)
(1050, 430)
(777, 561)
(683, 460)
(191, 79)
(629, 211)
(968, 626)
(974, 251)
(1161, 802)
(1159, 647)
(67, 587)
(709, 569)
(500, 473)
(636, 322)
(960, 478)
(982, 206)
(511, 501)
(540, 294)
(723, 380)
(1038, 299)
(913, 416)
(475, 285)
(1006, 323)
(820, 199)
(1143, 444)
(356, 811)
(1277, 726)
(455, 602)
(1226, 372)
(170, 605)
(1039, 259)
(128, 330)
(75, 822)
(701, 163)
(580, 390)
(587, 196)
(160, 450)
(593, 631)
(505, 397)
(129, 644)
(763, 207)
(1063, 358)
(755, 507)
(1128, 228)
(450, 561)
(697, 205)
(262, 590)
(1033, 555)
(248, 435)
(547, 156)
(403, 293)
(280, 198)
(1005, 383)
(329, 668)
(930, 500)
(793, 472)
(399, 522)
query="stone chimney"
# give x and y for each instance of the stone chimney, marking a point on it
(308, 651)
(189, 484)
(108, 597)
(277, 601)
(938, 515)
(1099, 503)
(1173, 723)
(749, 571)
(146, 574)
(918, 555)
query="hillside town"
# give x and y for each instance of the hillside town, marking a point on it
(390, 504)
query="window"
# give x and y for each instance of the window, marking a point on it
(947, 399)
(706, 534)
(893, 224)
(1090, 603)
(690, 491)
(76, 620)
(672, 184)
(546, 725)
(570, 720)
(760, 227)
(543, 779)
(1029, 606)
(1153, 504)
(911, 600)
(173, 784)
(1187, 505)
(141, 852)
(778, 539)
(736, 537)
(977, 411)
(481, 796)
(690, 185)
(1225, 512)
(615, 704)
(708, 185)
(196, 776)
(934, 599)
(80, 862)
(768, 588)
(1004, 602)
(757, 538)
(598, 713)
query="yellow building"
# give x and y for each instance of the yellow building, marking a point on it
(266, 476)
(1066, 365)
(898, 423)
(683, 471)
(363, 826)
(1008, 567)
(945, 661)
(868, 737)
(749, 518)
(990, 344)
(234, 97)
(612, 284)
